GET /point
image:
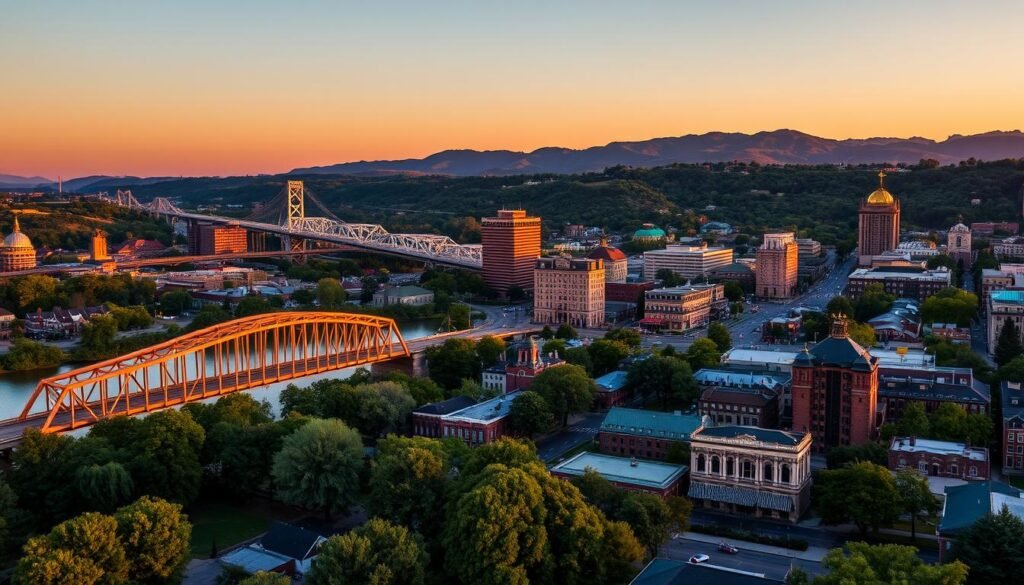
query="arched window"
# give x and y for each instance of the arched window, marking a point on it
(768, 472)
(784, 473)
(730, 466)
(922, 466)
(700, 463)
(716, 465)
(747, 469)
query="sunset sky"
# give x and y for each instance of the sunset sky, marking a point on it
(218, 87)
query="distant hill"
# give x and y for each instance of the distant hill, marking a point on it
(107, 183)
(16, 182)
(776, 147)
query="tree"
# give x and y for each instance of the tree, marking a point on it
(605, 355)
(950, 305)
(862, 493)
(947, 422)
(329, 293)
(914, 421)
(843, 455)
(733, 291)
(42, 476)
(1008, 346)
(628, 337)
(663, 378)
(175, 302)
(872, 302)
(266, 578)
(490, 349)
(567, 389)
(407, 485)
(993, 547)
(553, 346)
(253, 305)
(84, 550)
(165, 448)
(915, 498)
(98, 336)
(703, 353)
(882, 564)
(105, 486)
(566, 331)
(839, 306)
(369, 286)
(529, 414)
(649, 517)
(30, 355)
(318, 466)
(862, 333)
(668, 278)
(452, 362)
(580, 357)
(547, 333)
(208, 316)
(156, 538)
(720, 335)
(376, 553)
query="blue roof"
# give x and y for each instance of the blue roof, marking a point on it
(1008, 296)
(648, 423)
(488, 410)
(653, 474)
(680, 572)
(757, 433)
(611, 381)
(736, 378)
(968, 503)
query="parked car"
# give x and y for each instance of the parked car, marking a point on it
(699, 559)
(727, 548)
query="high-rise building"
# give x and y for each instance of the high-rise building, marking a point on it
(958, 244)
(209, 239)
(879, 223)
(569, 290)
(511, 245)
(835, 391)
(615, 262)
(686, 261)
(777, 266)
(98, 247)
(17, 252)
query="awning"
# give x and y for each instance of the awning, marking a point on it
(740, 496)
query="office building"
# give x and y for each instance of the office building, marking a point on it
(568, 290)
(777, 266)
(835, 391)
(1011, 431)
(210, 239)
(879, 225)
(511, 245)
(682, 308)
(808, 247)
(901, 281)
(476, 424)
(686, 261)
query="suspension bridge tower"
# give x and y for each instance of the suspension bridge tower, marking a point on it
(296, 200)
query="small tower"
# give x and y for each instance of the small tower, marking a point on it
(98, 247)
(958, 244)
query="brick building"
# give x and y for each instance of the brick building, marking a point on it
(938, 458)
(776, 272)
(630, 432)
(988, 228)
(568, 290)
(611, 390)
(511, 245)
(748, 398)
(630, 474)
(476, 424)
(750, 470)
(879, 223)
(426, 420)
(907, 282)
(1004, 306)
(683, 307)
(1011, 431)
(835, 391)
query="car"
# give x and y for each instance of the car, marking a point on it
(727, 548)
(700, 558)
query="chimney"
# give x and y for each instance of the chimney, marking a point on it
(913, 441)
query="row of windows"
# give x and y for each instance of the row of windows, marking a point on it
(746, 468)
(936, 469)
(733, 407)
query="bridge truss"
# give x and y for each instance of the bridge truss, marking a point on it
(238, 355)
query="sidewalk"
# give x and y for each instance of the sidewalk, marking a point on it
(812, 554)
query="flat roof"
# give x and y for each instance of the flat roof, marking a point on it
(1015, 297)
(758, 434)
(650, 423)
(611, 381)
(655, 474)
(904, 445)
(740, 379)
(486, 411)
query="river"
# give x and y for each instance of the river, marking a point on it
(17, 387)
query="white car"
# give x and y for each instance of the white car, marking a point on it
(701, 558)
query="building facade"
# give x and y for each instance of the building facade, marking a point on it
(569, 290)
(1004, 306)
(629, 432)
(409, 294)
(477, 424)
(686, 261)
(750, 470)
(1008, 248)
(938, 458)
(684, 307)
(901, 281)
(988, 229)
(1011, 432)
(221, 239)
(958, 244)
(835, 391)
(879, 225)
(98, 247)
(511, 245)
(776, 273)
(17, 252)
(615, 262)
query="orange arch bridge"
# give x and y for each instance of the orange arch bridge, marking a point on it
(237, 355)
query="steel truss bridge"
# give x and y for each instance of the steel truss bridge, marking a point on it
(285, 215)
(230, 357)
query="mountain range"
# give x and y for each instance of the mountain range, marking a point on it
(775, 147)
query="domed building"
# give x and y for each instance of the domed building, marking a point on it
(879, 223)
(615, 263)
(17, 252)
(649, 233)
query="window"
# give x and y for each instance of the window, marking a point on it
(972, 471)
(730, 466)
(922, 467)
(784, 473)
(700, 463)
(747, 469)
(768, 469)
(716, 466)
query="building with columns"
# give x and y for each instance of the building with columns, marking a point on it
(568, 290)
(17, 252)
(879, 226)
(958, 244)
(776, 272)
(835, 391)
(750, 470)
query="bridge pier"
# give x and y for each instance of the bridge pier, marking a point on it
(415, 365)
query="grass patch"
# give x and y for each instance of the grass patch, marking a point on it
(225, 524)
(882, 538)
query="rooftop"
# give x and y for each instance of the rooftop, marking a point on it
(1013, 297)
(654, 474)
(611, 381)
(739, 379)
(902, 272)
(968, 503)
(447, 406)
(649, 423)
(680, 572)
(487, 410)
(409, 290)
(915, 445)
(752, 434)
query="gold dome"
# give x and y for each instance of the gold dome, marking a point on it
(881, 196)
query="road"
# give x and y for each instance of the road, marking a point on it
(582, 430)
(771, 565)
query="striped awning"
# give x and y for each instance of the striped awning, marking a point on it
(740, 496)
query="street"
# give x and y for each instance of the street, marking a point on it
(584, 429)
(773, 566)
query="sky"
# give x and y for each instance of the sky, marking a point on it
(225, 87)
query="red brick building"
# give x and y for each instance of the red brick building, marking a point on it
(939, 458)
(629, 432)
(426, 420)
(1012, 429)
(835, 391)
(529, 363)
(511, 246)
(477, 424)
